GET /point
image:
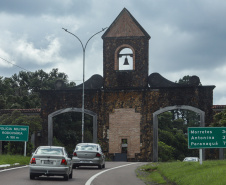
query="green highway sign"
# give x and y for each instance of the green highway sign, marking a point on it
(206, 137)
(14, 133)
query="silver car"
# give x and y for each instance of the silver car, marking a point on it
(191, 159)
(51, 161)
(88, 154)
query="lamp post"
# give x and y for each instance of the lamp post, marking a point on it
(83, 79)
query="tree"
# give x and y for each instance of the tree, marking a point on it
(172, 138)
(186, 80)
(219, 119)
(67, 129)
(22, 91)
(165, 121)
(165, 152)
(186, 117)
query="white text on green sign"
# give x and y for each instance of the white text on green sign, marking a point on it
(206, 137)
(14, 133)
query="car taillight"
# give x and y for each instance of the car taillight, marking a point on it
(98, 155)
(33, 161)
(74, 154)
(63, 162)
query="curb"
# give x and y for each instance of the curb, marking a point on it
(9, 165)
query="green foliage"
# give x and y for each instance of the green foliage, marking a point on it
(67, 129)
(167, 137)
(173, 135)
(219, 119)
(185, 118)
(17, 118)
(165, 152)
(57, 142)
(165, 121)
(22, 91)
(17, 148)
(185, 80)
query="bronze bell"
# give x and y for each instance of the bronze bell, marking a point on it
(126, 61)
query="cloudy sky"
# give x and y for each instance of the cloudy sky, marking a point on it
(188, 37)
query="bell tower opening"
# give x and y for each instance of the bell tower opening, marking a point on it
(125, 59)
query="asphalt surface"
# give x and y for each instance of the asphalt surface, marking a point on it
(115, 173)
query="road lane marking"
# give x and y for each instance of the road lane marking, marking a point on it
(94, 176)
(8, 169)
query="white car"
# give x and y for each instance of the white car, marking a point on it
(191, 159)
(50, 161)
(88, 154)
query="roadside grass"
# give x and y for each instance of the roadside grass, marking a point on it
(149, 173)
(12, 159)
(186, 173)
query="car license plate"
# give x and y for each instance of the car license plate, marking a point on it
(48, 162)
(85, 161)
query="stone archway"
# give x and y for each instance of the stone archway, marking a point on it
(155, 124)
(72, 109)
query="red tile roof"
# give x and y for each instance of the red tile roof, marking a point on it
(219, 107)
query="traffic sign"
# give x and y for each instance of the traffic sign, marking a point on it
(14, 133)
(206, 137)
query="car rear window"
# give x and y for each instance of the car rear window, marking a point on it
(86, 147)
(50, 151)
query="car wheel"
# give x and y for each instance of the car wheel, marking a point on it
(74, 166)
(100, 166)
(71, 174)
(103, 166)
(32, 176)
(66, 177)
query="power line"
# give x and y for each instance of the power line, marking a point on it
(14, 64)
(28, 70)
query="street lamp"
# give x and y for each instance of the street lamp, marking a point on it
(83, 79)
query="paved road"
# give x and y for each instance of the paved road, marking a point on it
(115, 173)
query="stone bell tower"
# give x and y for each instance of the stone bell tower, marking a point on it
(125, 51)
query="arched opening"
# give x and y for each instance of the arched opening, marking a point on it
(155, 124)
(124, 58)
(67, 129)
(62, 111)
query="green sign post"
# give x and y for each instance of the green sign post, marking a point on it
(14, 133)
(206, 137)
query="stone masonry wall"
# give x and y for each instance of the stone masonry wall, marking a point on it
(143, 102)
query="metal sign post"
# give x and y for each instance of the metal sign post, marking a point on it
(25, 148)
(200, 156)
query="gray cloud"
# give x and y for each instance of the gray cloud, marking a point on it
(40, 7)
(188, 37)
